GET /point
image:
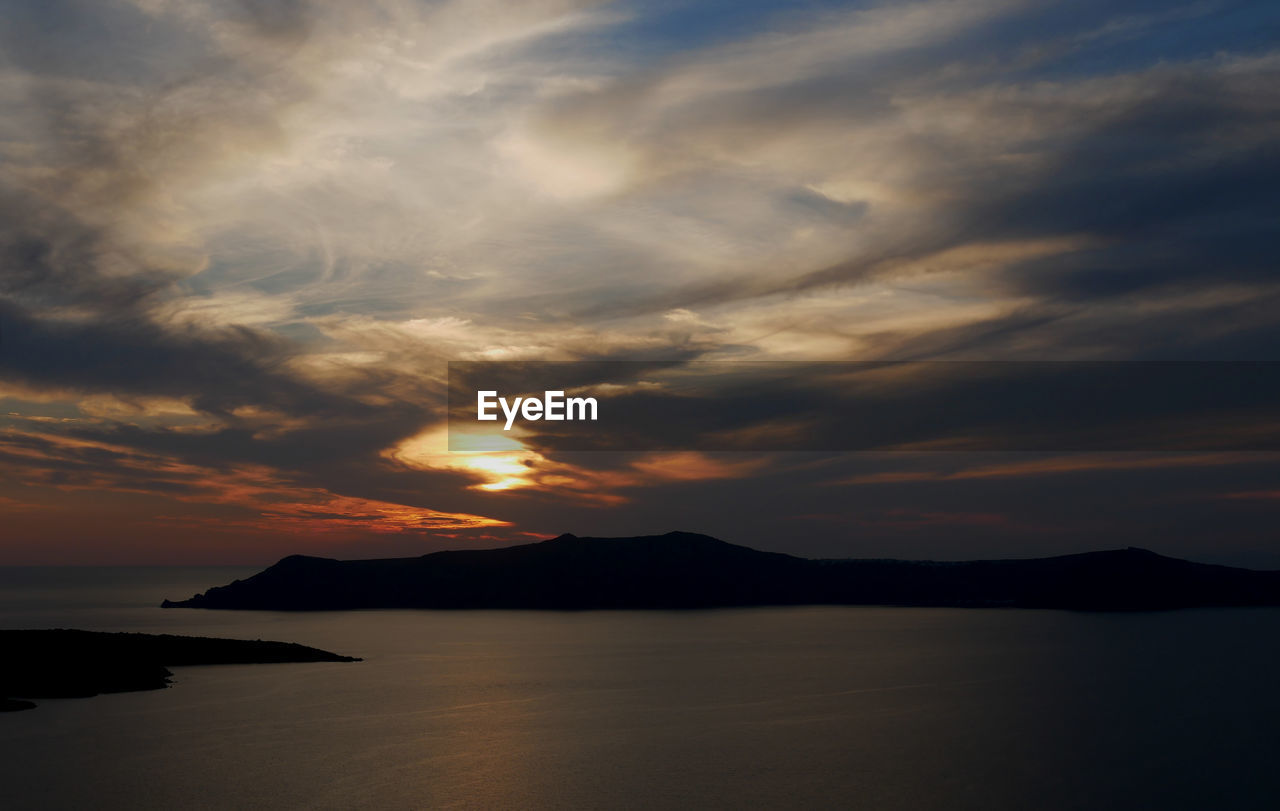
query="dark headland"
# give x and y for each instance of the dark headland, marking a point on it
(75, 664)
(685, 570)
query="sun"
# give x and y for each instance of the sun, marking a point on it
(498, 461)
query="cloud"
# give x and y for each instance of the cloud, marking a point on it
(507, 463)
(250, 235)
(217, 371)
(279, 504)
(1059, 465)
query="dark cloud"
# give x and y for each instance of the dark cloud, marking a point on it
(217, 372)
(1242, 327)
(108, 40)
(945, 405)
(50, 258)
(288, 20)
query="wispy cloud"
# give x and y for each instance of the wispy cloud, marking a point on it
(269, 498)
(248, 235)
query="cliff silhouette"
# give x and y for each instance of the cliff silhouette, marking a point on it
(686, 570)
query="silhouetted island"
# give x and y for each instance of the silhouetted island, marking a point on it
(73, 664)
(685, 570)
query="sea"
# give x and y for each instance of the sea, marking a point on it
(807, 707)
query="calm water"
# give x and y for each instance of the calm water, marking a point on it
(762, 708)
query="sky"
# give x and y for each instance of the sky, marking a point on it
(241, 241)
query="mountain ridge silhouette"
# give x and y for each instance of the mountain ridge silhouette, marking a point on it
(682, 570)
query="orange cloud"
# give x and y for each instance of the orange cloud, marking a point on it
(327, 512)
(502, 462)
(66, 463)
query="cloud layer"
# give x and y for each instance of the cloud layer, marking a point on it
(242, 239)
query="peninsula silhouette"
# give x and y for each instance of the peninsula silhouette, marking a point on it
(64, 663)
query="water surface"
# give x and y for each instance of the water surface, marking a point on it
(815, 707)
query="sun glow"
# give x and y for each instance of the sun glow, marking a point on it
(499, 462)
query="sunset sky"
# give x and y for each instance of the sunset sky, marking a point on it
(240, 241)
